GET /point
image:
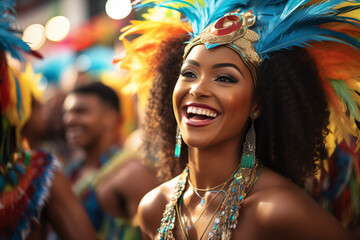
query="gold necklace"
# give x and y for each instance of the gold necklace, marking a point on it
(206, 189)
(242, 181)
(212, 217)
(178, 209)
(229, 210)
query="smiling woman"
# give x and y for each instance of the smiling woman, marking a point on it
(213, 80)
(250, 115)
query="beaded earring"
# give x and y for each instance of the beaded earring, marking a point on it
(249, 147)
(178, 141)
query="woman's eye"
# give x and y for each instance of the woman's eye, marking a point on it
(188, 74)
(226, 79)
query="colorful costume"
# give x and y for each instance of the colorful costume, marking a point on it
(337, 187)
(106, 226)
(21, 203)
(25, 176)
(328, 30)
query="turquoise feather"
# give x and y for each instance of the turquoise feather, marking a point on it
(301, 27)
(2, 182)
(12, 177)
(281, 24)
(18, 97)
(292, 6)
(9, 41)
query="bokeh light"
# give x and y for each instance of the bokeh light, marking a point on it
(118, 9)
(34, 35)
(57, 28)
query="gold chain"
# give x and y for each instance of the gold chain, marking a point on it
(206, 189)
(217, 209)
(222, 188)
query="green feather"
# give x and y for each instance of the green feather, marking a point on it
(354, 190)
(345, 94)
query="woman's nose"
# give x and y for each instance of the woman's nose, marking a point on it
(200, 89)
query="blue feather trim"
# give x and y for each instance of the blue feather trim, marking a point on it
(281, 24)
(44, 165)
(18, 97)
(9, 42)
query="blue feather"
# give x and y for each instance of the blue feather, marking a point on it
(281, 24)
(291, 6)
(201, 16)
(18, 97)
(12, 177)
(2, 182)
(301, 27)
(9, 42)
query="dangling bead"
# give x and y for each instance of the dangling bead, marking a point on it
(178, 143)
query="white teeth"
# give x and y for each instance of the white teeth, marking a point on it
(201, 111)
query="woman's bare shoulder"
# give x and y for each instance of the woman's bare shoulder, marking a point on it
(152, 206)
(286, 211)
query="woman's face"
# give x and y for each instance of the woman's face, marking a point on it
(213, 97)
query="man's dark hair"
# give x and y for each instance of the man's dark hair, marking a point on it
(105, 93)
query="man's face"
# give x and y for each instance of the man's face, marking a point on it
(84, 119)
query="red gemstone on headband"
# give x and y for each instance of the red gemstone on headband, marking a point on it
(226, 25)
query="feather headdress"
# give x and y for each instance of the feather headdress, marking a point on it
(284, 24)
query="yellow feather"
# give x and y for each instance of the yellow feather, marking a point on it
(11, 110)
(330, 141)
(342, 130)
(139, 60)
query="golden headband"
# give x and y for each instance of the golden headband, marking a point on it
(232, 31)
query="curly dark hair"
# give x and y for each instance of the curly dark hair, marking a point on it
(290, 130)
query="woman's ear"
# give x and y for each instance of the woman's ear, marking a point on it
(255, 111)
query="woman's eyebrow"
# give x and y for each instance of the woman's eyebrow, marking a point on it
(221, 65)
(192, 62)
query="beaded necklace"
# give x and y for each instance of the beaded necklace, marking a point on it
(229, 210)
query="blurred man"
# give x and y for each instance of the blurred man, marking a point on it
(33, 190)
(92, 118)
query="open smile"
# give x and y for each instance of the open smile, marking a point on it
(198, 115)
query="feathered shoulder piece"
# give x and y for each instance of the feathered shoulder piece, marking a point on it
(329, 30)
(16, 89)
(24, 193)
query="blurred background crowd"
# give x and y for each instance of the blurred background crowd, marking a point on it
(85, 115)
(81, 113)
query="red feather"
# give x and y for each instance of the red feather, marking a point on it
(4, 84)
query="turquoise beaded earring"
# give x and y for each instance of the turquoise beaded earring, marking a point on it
(249, 147)
(178, 141)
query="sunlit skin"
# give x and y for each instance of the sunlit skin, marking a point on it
(90, 125)
(275, 208)
(83, 118)
(225, 86)
(220, 80)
